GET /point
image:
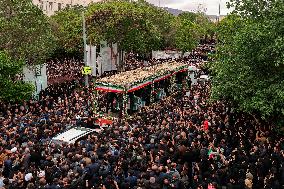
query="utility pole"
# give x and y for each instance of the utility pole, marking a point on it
(85, 50)
(219, 13)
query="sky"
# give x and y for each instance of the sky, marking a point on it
(211, 6)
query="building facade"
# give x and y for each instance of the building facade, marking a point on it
(49, 7)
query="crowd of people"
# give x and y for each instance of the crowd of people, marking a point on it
(179, 143)
(133, 62)
(196, 56)
(59, 71)
(67, 70)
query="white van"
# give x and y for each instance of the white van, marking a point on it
(74, 134)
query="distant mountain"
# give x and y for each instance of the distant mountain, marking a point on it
(175, 12)
(213, 17)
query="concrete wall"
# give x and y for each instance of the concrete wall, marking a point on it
(106, 59)
(37, 76)
(165, 54)
(103, 60)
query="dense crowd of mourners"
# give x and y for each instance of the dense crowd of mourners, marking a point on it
(200, 54)
(179, 143)
(133, 61)
(59, 71)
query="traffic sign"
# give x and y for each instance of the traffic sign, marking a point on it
(87, 70)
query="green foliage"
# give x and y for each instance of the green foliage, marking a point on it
(190, 16)
(25, 31)
(135, 26)
(228, 27)
(250, 58)
(68, 30)
(190, 28)
(186, 36)
(167, 27)
(12, 90)
(206, 27)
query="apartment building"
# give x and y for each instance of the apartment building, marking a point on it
(49, 7)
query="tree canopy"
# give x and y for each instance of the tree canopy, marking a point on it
(135, 26)
(206, 28)
(12, 89)
(132, 25)
(25, 31)
(250, 61)
(190, 28)
(68, 30)
(186, 34)
(26, 37)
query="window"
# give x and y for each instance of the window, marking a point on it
(41, 5)
(59, 6)
(50, 5)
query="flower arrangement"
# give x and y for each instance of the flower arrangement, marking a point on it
(130, 78)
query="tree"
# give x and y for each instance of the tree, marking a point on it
(187, 35)
(206, 27)
(11, 89)
(190, 28)
(68, 30)
(250, 61)
(132, 25)
(190, 16)
(165, 22)
(25, 31)
(228, 27)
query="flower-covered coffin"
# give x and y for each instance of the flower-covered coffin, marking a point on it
(130, 81)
